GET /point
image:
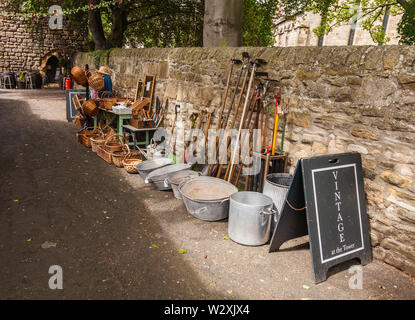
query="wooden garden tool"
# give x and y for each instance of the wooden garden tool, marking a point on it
(277, 101)
(224, 125)
(245, 121)
(285, 113)
(222, 108)
(207, 129)
(266, 167)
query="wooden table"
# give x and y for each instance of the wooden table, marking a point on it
(120, 119)
(134, 131)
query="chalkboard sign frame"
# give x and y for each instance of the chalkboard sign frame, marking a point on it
(301, 215)
(71, 112)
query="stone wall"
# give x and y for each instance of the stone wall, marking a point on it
(21, 50)
(340, 99)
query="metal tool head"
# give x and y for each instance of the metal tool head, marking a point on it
(261, 74)
(258, 62)
(236, 61)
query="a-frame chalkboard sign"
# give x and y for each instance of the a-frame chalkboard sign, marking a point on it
(326, 200)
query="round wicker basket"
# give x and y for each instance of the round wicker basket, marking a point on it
(78, 74)
(96, 81)
(90, 108)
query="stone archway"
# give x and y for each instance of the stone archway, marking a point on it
(45, 59)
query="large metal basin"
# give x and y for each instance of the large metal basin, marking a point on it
(207, 198)
(159, 176)
(145, 167)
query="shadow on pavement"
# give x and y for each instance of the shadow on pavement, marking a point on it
(55, 190)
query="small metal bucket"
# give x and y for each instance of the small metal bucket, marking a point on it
(276, 187)
(250, 218)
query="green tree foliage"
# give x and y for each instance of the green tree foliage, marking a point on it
(136, 23)
(369, 13)
(172, 23)
(258, 27)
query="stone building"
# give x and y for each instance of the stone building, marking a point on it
(24, 48)
(290, 33)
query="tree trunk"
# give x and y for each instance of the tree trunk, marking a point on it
(222, 23)
(119, 25)
(95, 25)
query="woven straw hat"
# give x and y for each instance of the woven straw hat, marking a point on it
(104, 70)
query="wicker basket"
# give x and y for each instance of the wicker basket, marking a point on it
(104, 154)
(96, 81)
(130, 165)
(107, 103)
(90, 108)
(131, 160)
(78, 74)
(119, 156)
(113, 143)
(85, 135)
(97, 141)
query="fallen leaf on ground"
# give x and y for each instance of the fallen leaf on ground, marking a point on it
(29, 240)
(381, 287)
(154, 245)
(48, 244)
(15, 200)
(229, 291)
(226, 238)
(306, 286)
(182, 251)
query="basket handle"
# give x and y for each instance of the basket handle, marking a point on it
(87, 128)
(111, 136)
(128, 151)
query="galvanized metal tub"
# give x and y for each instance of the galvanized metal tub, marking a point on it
(162, 173)
(176, 178)
(207, 198)
(145, 167)
(250, 216)
(276, 187)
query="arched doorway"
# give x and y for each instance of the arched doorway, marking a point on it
(52, 69)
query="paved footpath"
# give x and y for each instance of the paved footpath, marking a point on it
(116, 238)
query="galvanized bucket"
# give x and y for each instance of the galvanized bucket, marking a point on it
(176, 178)
(250, 218)
(276, 187)
(145, 167)
(158, 177)
(207, 198)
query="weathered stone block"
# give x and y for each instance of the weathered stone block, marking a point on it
(395, 179)
(299, 119)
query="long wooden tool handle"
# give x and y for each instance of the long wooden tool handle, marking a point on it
(245, 121)
(251, 81)
(274, 138)
(222, 108)
(233, 98)
(283, 134)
